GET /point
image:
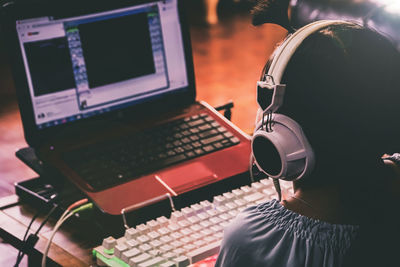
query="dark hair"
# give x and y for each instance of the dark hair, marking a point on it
(343, 88)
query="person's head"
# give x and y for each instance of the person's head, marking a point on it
(343, 89)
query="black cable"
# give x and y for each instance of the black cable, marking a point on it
(19, 257)
(55, 206)
(30, 242)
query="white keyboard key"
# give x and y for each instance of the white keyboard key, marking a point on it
(254, 197)
(182, 261)
(166, 239)
(231, 205)
(206, 205)
(186, 231)
(179, 251)
(184, 223)
(205, 224)
(186, 240)
(189, 247)
(168, 264)
(132, 243)
(199, 243)
(206, 232)
(240, 202)
(195, 228)
(176, 244)
(138, 259)
(266, 182)
(152, 262)
(221, 209)
(153, 235)
(166, 248)
(142, 228)
(154, 252)
(204, 252)
(216, 228)
(225, 216)
(269, 191)
(126, 255)
(238, 193)
(203, 216)
(210, 239)
(246, 189)
(215, 220)
(212, 213)
(169, 255)
(257, 186)
(131, 233)
(153, 225)
(163, 231)
(155, 243)
(176, 235)
(109, 243)
(173, 227)
(119, 249)
(196, 236)
(145, 247)
(229, 196)
(188, 212)
(197, 208)
(177, 216)
(193, 219)
(163, 221)
(143, 239)
(219, 200)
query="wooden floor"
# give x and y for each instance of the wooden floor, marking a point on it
(228, 58)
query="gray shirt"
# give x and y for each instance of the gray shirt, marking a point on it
(271, 235)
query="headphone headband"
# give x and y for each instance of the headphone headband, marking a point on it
(288, 48)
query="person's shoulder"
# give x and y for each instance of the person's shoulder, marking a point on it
(249, 223)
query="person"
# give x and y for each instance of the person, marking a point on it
(343, 89)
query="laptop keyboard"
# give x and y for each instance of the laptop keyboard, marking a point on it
(117, 161)
(190, 235)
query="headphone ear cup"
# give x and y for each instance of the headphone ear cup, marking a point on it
(284, 152)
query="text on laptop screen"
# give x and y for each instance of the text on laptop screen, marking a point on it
(82, 66)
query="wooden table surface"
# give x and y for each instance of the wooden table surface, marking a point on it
(72, 245)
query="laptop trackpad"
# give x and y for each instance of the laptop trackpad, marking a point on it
(188, 177)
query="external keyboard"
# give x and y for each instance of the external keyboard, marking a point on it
(188, 236)
(117, 161)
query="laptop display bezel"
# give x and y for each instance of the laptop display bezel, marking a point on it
(60, 8)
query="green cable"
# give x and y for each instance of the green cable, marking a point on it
(82, 208)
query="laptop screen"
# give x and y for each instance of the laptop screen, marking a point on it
(78, 67)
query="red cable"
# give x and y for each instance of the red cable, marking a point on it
(78, 203)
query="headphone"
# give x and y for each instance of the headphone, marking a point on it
(280, 148)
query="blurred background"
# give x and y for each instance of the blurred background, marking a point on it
(229, 54)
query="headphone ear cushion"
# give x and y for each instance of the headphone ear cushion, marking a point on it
(284, 152)
(266, 155)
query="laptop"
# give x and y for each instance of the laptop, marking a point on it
(107, 98)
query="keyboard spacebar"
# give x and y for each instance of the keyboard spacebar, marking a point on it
(204, 252)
